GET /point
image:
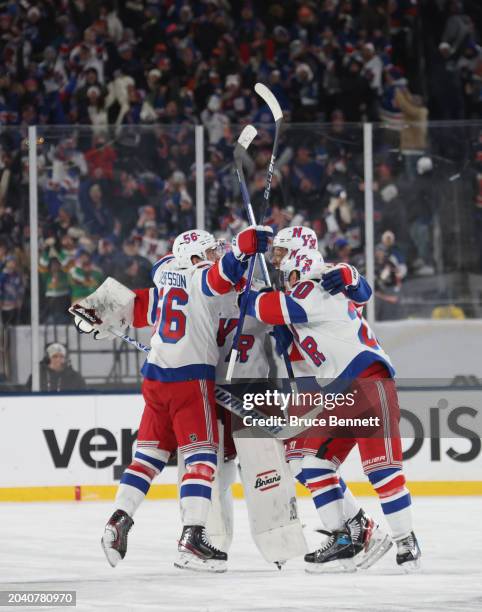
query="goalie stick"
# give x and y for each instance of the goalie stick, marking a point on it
(245, 139)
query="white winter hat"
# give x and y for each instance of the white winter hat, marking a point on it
(56, 349)
(424, 164)
(214, 104)
(389, 193)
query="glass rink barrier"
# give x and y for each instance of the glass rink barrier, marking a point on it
(400, 202)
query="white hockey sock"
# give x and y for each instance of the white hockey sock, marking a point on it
(196, 485)
(389, 483)
(322, 480)
(136, 479)
(350, 505)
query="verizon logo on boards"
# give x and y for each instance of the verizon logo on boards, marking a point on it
(267, 480)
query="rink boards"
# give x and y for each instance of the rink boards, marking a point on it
(74, 447)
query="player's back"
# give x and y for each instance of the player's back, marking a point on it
(335, 341)
(183, 346)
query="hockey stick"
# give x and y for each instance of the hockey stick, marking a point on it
(244, 140)
(243, 143)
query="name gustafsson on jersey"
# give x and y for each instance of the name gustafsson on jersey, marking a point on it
(298, 421)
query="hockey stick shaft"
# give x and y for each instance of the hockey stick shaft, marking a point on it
(241, 146)
(275, 108)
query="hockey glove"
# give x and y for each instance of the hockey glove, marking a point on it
(283, 338)
(340, 278)
(253, 239)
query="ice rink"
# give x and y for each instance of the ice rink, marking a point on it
(57, 546)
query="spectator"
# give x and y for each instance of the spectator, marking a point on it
(387, 286)
(56, 286)
(56, 374)
(12, 291)
(85, 277)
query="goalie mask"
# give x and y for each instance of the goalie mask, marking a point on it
(307, 262)
(288, 242)
(197, 243)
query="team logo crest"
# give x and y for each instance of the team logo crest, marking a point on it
(193, 437)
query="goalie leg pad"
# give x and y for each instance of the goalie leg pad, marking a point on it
(269, 492)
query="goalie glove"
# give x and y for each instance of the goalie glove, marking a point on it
(83, 327)
(253, 239)
(341, 277)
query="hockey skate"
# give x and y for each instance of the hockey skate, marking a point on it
(370, 542)
(408, 553)
(197, 553)
(336, 554)
(114, 540)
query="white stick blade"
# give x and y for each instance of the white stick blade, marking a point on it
(270, 100)
(232, 362)
(247, 136)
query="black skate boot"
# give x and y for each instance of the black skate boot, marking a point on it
(197, 553)
(408, 553)
(334, 555)
(114, 540)
(370, 542)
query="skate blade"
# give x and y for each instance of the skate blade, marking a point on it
(340, 566)
(112, 555)
(374, 553)
(196, 564)
(410, 567)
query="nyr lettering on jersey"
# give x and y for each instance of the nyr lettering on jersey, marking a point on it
(297, 232)
(267, 480)
(246, 341)
(172, 279)
(226, 326)
(311, 349)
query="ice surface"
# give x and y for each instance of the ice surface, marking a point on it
(57, 546)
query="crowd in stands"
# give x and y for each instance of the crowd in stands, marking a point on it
(111, 199)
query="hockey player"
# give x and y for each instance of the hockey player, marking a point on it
(369, 540)
(339, 345)
(337, 278)
(178, 388)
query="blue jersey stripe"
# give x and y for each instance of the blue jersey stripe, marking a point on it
(197, 371)
(232, 268)
(204, 284)
(296, 312)
(159, 263)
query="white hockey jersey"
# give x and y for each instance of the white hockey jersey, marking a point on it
(185, 309)
(252, 361)
(329, 332)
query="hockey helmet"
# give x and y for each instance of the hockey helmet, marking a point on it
(293, 239)
(192, 243)
(308, 262)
